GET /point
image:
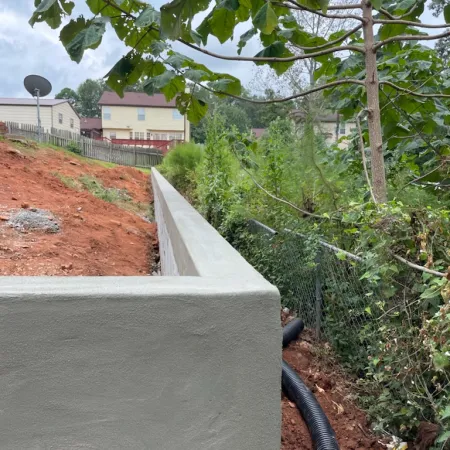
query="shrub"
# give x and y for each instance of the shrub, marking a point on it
(74, 147)
(179, 166)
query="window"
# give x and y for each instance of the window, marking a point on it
(112, 135)
(60, 118)
(131, 135)
(148, 135)
(342, 128)
(176, 114)
(71, 123)
(106, 113)
(141, 113)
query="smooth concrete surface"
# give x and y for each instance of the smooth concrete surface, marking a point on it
(138, 363)
(197, 247)
(187, 362)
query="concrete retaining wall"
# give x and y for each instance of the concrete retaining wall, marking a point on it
(166, 363)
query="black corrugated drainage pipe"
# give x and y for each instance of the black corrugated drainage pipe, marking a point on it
(322, 435)
(291, 331)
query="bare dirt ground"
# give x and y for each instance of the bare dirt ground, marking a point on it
(333, 391)
(96, 237)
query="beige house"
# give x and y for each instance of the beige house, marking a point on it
(139, 116)
(54, 113)
(332, 127)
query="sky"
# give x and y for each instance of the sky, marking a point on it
(25, 50)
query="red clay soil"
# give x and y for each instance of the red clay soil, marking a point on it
(96, 237)
(332, 390)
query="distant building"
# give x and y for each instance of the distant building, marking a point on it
(140, 117)
(331, 126)
(54, 113)
(91, 127)
(258, 132)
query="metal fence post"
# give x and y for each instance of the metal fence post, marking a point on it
(318, 296)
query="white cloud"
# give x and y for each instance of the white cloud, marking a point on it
(25, 50)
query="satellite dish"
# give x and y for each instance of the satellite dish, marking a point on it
(37, 85)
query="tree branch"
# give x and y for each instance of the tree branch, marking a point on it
(336, 41)
(421, 177)
(272, 59)
(421, 268)
(299, 7)
(292, 97)
(406, 14)
(363, 155)
(350, 6)
(411, 37)
(410, 22)
(417, 94)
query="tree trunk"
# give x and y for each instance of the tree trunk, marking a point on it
(373, 107)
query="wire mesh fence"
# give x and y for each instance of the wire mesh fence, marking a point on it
(322, 283)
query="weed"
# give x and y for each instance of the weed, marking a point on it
(67, 181)
(95, 187)
(74, 147)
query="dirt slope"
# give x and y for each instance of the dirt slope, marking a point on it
(96, 237)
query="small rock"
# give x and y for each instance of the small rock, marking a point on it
(286, 310)
(116, 222)
(3, 218)
(79, 208)
(13, 198)
(293, 421)
(25, 246)
(25, 205)
(78, 216)
(292, 405)
(67, 266)
(74, 163)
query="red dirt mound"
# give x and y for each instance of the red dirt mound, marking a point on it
(96, 237)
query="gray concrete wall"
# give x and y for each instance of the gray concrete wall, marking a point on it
(163, 363)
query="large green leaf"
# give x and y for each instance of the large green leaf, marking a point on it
(447, 13)
(45, 5)
(245, 38)
(173, 14)
(89, 37)
(177, 60)
(169, 83)
(265, 19)
(194, 107)
(196, 75)
(72, 29)
(227, 84)
(148, 17)
(276, 50)
(222, 23)
(47, 11)
(126, 72)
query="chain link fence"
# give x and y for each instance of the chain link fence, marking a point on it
(322, 283)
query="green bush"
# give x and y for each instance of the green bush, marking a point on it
(74, 147)
(179, 167)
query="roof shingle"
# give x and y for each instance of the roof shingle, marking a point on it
(135, 99)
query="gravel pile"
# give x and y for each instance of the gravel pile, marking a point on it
(34, 219)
